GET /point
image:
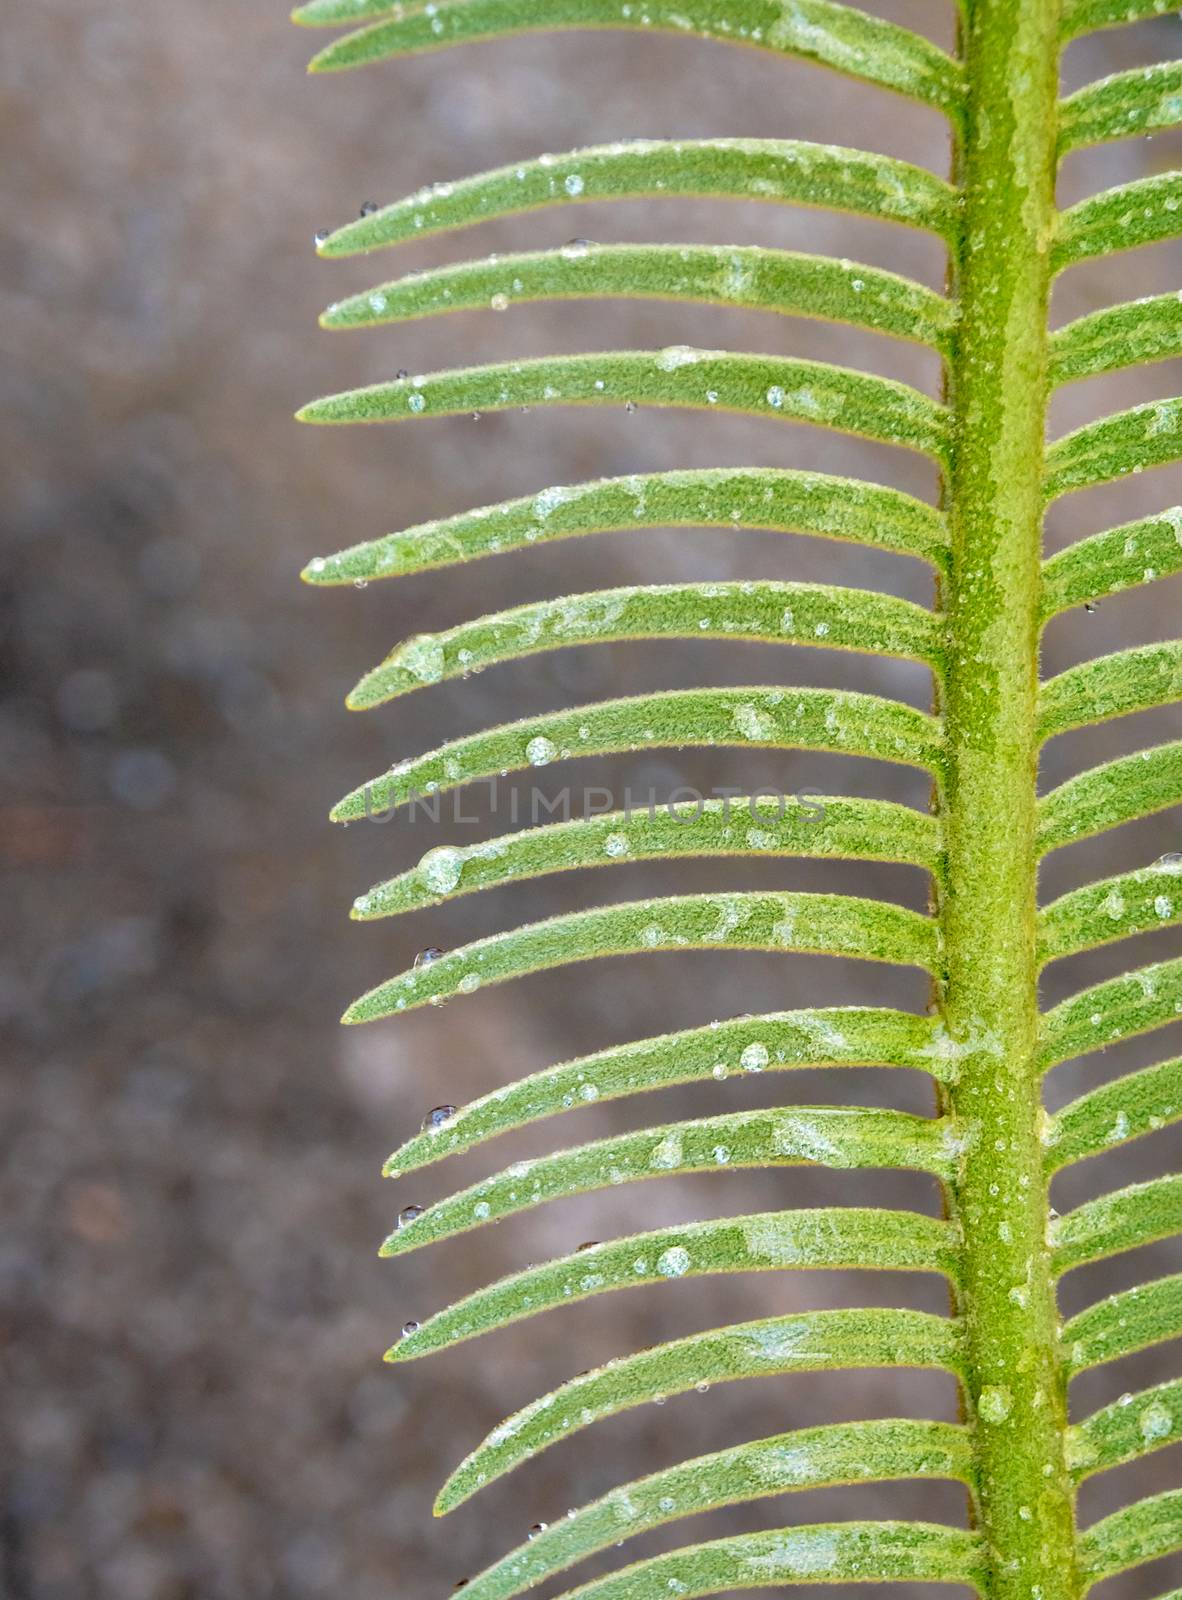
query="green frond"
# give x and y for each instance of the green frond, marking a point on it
(836, 36)
(1088, 16)
(749, 277)
(1115, 908)
(810, 1341)
(1110, 562)
(1106, 796)
(837, 1036)
(827, 1136)
(1125, 335)
(991, 1146)
(1133, 1426)
(1137, 1104)
(815, 392)
(1124, 1220)
(1111, 686)
(817, 614)
(1136, 1002)
(838, 1552)
(815, 826)
(809, 1458)
(770, 1241)
(1122, 106)
(1145, 211)
(843, 721)
(779, 499)
(1134, 1534)
(790, 171)
(1135, 1319)
(825, 924)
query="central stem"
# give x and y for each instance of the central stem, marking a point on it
(1017, 1396)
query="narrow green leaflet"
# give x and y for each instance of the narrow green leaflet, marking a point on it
(771, 1241)
(836, 1036)
(1125, 335)
(680, 376)
(813, 825)
(1134, 1003)
(1143, 212)
(1148, 435)
(749, 276)
(1135, 1319)
(811, 1341)
(1106, 796)
(1122, 106)
(728, 497)
(839, 1552)
(1111, 686)
(835, 36)
(1107, 563)
(1137, 1104)
(821, 615)
(1137, 1533)
(809, 1458)
(827, 1136)
(1132, 902)
(843, 721)
(1123, 1220)
(826, 924)
(1132, 1426)
(1087, 16)
(790, 171)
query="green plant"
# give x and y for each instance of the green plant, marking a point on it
(985, 1043)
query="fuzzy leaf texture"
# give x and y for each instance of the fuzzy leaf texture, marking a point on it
(988, 1039)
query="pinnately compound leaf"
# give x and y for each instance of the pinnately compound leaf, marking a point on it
(991, 467)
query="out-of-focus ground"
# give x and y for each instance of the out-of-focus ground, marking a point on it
(191, 1312)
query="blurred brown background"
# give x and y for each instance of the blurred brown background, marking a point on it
(191, 1313)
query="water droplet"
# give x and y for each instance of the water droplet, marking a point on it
(361, 583)
(629, 406)
(1091, 607)
(320, 237)
(442, 868)
(1171, 862)
(408, 1328)
(538, 1527)
(368, 207)
(574, 248)
(427, 956)
(409, 1214)
(402, 374)
(540, 751)
(995, 1402)
(754, 1058)
(673, 1263)
(499, 302)
(438, 1117)
(589, 1244)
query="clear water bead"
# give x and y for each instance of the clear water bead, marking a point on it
(438, 1117)
(426, 957)
(408, 1328)
(409, 1214)
(368, 207)
(538, 1527)
(320, 237)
